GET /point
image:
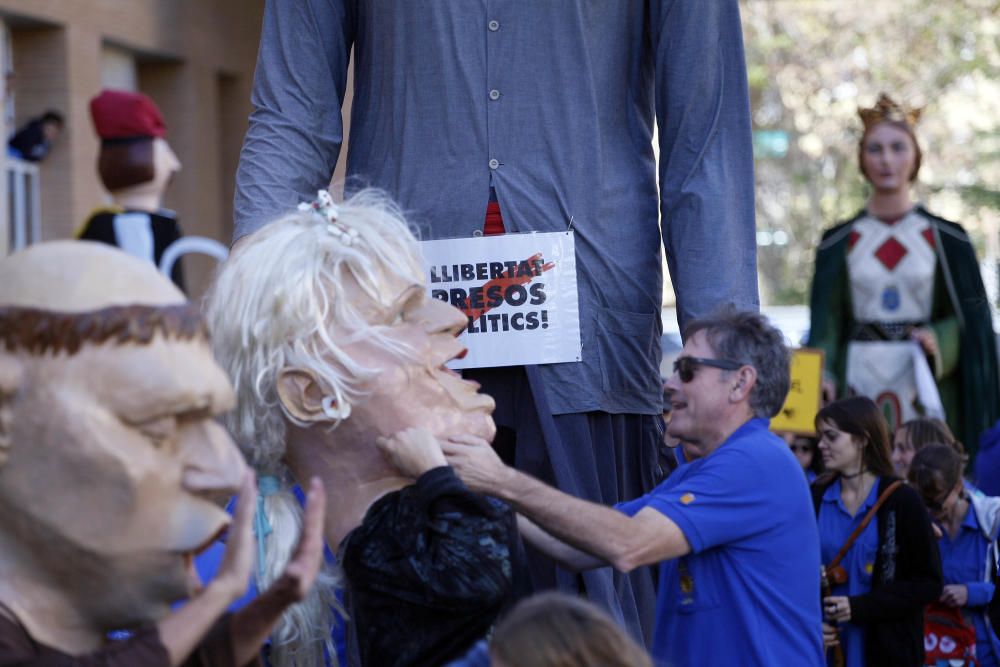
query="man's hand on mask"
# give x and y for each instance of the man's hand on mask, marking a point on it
(476, 463)
(412, 451)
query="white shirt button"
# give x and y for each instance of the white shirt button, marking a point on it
(494, 94)
(493, 25)
(494, 163)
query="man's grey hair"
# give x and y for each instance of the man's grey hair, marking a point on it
(749, 338)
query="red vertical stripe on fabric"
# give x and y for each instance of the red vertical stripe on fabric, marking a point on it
(494, 220)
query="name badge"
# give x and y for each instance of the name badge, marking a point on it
(518, 291)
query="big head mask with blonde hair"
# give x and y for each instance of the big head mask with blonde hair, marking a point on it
(323, 322)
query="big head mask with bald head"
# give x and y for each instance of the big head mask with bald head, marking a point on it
(110, 458)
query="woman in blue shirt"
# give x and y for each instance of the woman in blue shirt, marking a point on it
(914, 435)
(892, 569)
(969, 523)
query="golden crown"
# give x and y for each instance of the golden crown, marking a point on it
(886, 109)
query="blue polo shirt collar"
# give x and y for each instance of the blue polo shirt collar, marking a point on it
(970, 520)
(832, 495)
(747, 428)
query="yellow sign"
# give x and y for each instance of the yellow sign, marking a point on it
(798, 414)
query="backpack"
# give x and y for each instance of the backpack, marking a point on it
(949, 640)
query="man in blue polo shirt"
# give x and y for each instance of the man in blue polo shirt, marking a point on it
(734, 528)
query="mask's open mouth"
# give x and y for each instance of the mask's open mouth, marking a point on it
(444, 360)
(189, 556)
(194, 583)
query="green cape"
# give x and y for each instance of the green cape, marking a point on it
(970, 391)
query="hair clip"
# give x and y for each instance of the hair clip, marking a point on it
(324, 207)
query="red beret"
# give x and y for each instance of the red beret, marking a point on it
(120, 114)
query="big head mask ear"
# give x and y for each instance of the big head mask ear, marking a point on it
(304, 400)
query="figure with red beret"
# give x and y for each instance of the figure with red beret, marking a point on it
(135, 164)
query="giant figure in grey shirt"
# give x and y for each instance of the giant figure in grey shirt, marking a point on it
(548, 108)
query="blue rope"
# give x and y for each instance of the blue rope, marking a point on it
(266, 485)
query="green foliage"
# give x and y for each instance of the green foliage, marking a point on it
(811, 63)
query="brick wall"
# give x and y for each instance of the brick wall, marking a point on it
(195, 58)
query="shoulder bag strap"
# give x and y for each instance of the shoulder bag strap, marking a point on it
(864, 524)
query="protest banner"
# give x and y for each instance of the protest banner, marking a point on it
(798, 414)
(518, 291)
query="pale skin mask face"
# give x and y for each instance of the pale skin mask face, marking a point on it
(130, 460)
(148, 196)
(888, 156)
(112, 459)
(399, 339)
(423, 393)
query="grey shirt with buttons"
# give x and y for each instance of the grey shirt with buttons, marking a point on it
(551, 102)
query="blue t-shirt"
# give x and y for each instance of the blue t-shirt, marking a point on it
(835, 525)
(963, 561)
(748, 593)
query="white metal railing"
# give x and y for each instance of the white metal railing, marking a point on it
(23, 203)
(191, 244)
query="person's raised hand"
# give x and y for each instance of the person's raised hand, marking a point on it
(253, 623)
(301, 572)
(412, 451)
(182, 630)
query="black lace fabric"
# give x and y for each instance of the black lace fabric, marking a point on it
(428, 571)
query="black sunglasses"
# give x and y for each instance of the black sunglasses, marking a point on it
(686, 366)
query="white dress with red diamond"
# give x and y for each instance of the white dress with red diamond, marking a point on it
(891, 268)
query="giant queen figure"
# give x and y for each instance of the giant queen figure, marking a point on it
(897, 295)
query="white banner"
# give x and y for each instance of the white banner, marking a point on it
(518, 291)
